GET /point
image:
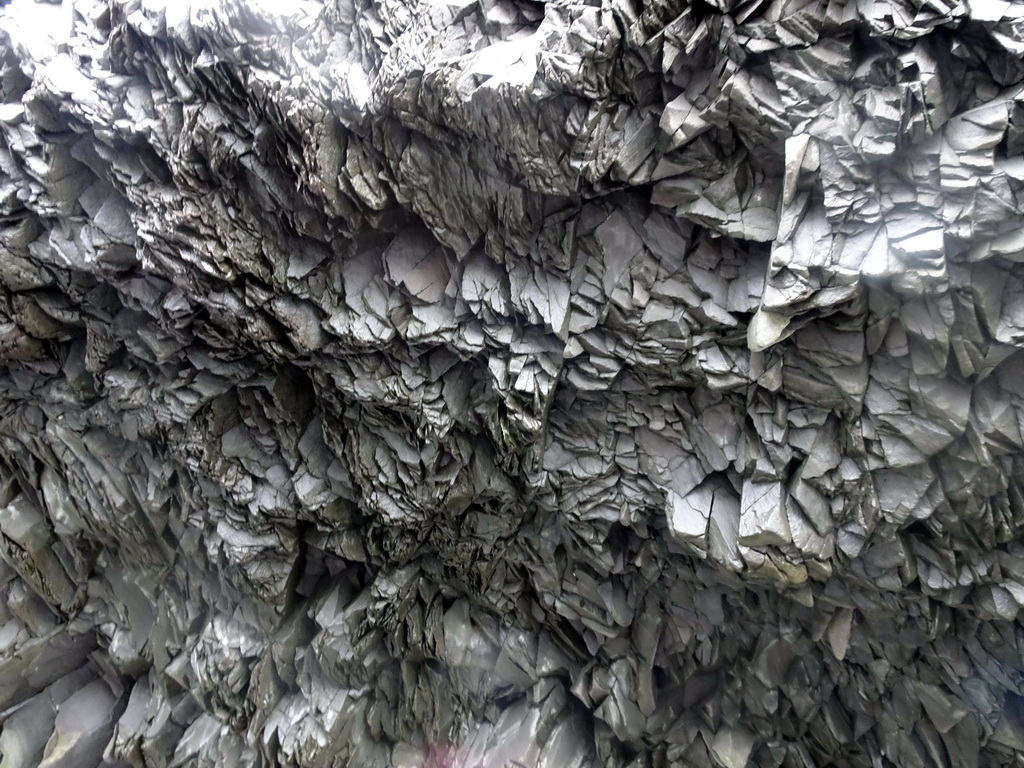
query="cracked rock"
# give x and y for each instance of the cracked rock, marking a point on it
(503, 382)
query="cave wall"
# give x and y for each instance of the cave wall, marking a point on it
(499, 382)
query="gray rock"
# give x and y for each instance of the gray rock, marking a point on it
(485, 383)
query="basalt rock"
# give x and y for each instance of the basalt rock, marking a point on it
(512, 383)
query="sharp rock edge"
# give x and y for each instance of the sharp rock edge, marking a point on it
(428, 383)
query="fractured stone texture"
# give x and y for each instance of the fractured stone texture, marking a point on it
(512, 383)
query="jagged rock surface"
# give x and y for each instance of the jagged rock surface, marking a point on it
(502, 382)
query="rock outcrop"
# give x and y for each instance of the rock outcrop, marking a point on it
(512, 383)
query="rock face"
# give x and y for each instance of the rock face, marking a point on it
(512, 383)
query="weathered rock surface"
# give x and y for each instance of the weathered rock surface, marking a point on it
(512, 383)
